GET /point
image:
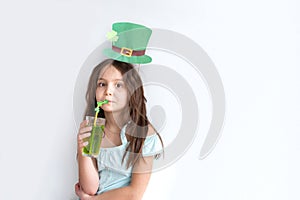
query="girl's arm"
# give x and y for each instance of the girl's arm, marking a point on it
(140, 178)
(87, 167)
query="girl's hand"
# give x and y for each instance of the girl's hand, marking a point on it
(81, 194)
(84, 132)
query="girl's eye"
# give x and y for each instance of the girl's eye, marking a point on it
(119, 85)
(101, 84)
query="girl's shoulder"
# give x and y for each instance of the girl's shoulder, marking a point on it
(151, 131)
(152, 145)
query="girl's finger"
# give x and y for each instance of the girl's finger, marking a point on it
(84, 123)
(85, 143)
(82, 144)
(85, 129)
(84, 135)
(77, 188)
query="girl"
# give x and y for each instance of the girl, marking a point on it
(123, 168)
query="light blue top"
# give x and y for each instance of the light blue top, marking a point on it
(112, 173)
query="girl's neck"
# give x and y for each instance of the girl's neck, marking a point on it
(115, 121)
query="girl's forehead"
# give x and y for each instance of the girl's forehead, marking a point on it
(109, 72)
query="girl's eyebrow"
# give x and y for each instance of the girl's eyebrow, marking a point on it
(112, 80)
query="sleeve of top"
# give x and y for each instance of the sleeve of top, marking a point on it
(152, 145)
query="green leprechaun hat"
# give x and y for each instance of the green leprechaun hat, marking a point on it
(129, 43)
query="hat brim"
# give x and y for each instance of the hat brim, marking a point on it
(132, 59)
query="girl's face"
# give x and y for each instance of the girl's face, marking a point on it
(110, 86)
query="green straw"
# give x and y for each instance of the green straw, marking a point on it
(97, 109)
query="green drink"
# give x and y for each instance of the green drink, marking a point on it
(94, 141)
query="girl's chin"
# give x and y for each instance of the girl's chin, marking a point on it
(108, 108)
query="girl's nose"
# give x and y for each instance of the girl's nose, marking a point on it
(108, 91)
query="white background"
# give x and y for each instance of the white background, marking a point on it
(254, 45)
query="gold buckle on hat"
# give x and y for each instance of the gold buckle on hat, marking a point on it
(126, 51)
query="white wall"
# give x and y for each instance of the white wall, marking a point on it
(254, 45)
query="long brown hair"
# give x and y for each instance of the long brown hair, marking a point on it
(137, 129)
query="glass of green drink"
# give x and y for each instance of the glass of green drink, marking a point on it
(94, 141)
